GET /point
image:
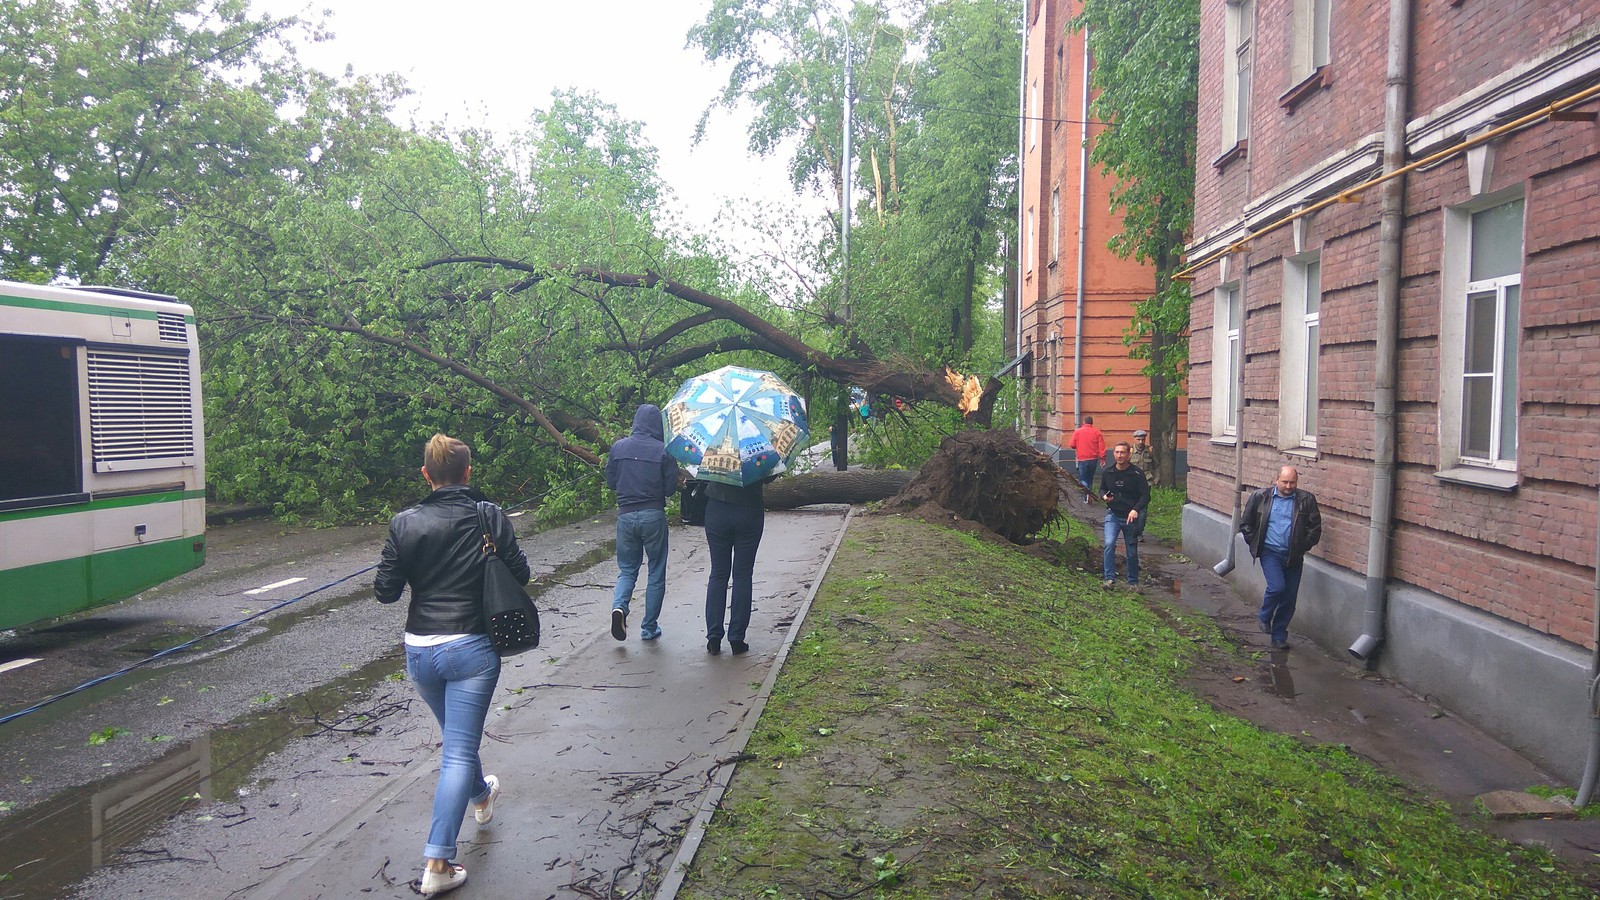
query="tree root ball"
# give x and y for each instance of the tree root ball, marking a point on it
(992, 478)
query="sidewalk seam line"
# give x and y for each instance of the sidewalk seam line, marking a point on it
(690, 845)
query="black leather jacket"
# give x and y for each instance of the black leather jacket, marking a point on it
(1304, 532)
(435, 547)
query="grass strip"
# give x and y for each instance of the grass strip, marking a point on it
(958, 719)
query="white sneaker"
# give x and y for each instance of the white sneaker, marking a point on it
(452, 877)
(486, 813)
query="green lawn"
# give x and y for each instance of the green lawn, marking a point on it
(958, 719)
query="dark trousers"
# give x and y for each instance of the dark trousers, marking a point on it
(1283, 590)
(733, 533)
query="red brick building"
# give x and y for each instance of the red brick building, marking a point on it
(1425, 349)
(1077, 296)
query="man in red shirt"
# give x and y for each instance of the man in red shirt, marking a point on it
(1090, 445)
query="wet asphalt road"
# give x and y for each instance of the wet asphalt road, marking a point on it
(221, 703)
(235, 767)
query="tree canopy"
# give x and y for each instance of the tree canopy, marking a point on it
(360, 285)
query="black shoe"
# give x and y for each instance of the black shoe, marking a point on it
(713, 645)
(619, 624)
(1280, 645)
(739, 646)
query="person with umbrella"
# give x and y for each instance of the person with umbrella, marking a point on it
(741, 428)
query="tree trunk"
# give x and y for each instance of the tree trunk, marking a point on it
(853, 486)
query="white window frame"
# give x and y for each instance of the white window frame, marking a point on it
(1300, 358)
(1309, 48)
(1226, 336)
(1457, 288)
(1055, 225)
(1237, 70)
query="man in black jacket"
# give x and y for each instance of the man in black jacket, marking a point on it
(1280, 524)
(1127, 495)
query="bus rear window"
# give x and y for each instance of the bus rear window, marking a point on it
(38, 419)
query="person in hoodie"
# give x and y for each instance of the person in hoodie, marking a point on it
(641, 473)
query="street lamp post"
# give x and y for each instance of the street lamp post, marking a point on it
(841, 422)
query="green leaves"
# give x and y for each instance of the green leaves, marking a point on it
(106, 735)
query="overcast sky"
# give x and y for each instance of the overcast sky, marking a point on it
(492, 62)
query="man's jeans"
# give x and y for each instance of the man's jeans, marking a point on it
(640, 533)
(457, 682)
(1087, 469)
(1283, 591)
(1117, 525)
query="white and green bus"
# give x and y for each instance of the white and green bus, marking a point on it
(102, 450)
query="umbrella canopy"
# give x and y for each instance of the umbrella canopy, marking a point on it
(738, 425)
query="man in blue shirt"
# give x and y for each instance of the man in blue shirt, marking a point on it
(1280, 524)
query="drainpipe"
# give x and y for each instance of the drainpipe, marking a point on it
(1391, 224)
(1227, 564)
(1022, 209)
(1592, 768)
(1083, 243)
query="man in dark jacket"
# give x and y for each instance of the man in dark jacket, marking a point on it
(1280, 523)
(1127, 496)
(641, 473)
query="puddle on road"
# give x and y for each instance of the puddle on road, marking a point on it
(56, 843)
(46, 849)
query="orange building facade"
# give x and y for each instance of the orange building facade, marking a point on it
(1076, 296)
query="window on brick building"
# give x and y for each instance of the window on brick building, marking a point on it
(1033, 241)
(1228, 305)
(1061, 78)
(1301, 351)
(1034, 112)
(1055, 225)
(1237, 69)
(1309, 45)
(1480, 333)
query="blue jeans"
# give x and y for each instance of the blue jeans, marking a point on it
(640, 533)
(1283, 590)
(1117, 525)
(1087, 469)
(733, 533)
(457, 682)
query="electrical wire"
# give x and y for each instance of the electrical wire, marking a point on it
(189, 644)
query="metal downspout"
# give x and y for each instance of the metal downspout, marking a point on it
(1022, 209)
(1226, 565)
(1591, 769)
(1391, 225)
(1083, 243)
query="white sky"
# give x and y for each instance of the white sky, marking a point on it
(491, 63)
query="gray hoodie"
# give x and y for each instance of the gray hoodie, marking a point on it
(638, 467)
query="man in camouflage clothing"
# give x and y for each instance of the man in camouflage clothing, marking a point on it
(1143, 457)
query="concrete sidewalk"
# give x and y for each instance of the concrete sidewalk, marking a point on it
(606, 750)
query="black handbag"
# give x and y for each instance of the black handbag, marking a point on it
(508, 611)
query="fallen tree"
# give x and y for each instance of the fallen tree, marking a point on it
(991, 478)
(851, 486)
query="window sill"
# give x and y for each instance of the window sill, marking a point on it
(1306, 453)
(1479, 477)
(1237, 151)
(1321, 78)
(1225, 440)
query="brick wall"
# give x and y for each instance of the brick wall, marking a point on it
(1528, 554)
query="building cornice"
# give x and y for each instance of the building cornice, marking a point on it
(1575, 63)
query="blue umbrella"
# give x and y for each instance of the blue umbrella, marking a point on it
(737, 425)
